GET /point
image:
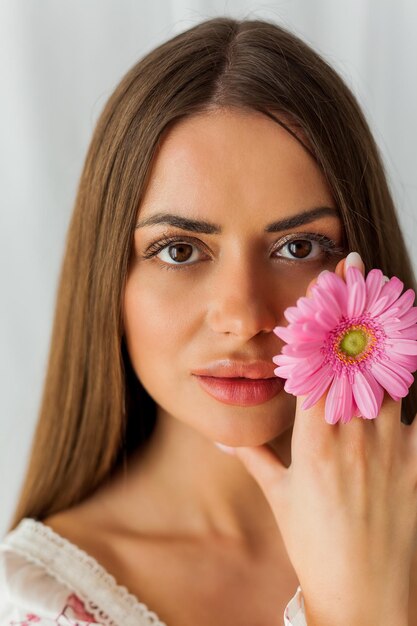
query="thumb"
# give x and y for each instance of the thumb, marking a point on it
(264, 465)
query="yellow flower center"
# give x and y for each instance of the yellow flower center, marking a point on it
(354, 344)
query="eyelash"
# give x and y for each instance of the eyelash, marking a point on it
(329, 247)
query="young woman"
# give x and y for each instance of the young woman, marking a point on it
(228, 169)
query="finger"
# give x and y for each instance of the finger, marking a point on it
(374, 442)
(264, 465)
(312, 435)
(409, 434)
(353, 259)
(340, 269)
(388, 422)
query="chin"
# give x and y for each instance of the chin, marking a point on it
(256, 432)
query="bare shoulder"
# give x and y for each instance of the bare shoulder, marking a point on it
(82, 526)
(127, 555)
(160, 572)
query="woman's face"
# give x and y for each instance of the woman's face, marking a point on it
(218, 294)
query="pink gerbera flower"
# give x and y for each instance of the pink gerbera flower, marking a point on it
(357, 337)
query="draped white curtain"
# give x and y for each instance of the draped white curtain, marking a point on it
(59, 62)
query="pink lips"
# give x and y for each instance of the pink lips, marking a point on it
(241, 391)
(241, 382)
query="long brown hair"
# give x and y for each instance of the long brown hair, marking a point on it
(94, 411)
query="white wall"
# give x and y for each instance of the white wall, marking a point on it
(59, 62)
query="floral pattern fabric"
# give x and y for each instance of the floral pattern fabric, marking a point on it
(46, 580)
(73, 613)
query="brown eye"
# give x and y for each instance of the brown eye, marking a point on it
(180, 252)
(308, 247)
(174, 253)
(300, 248)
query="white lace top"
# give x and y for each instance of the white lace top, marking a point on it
(45, 580)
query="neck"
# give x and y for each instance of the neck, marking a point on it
(195, 490)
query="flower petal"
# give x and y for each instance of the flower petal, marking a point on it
(408, 319)
(405, 333)
(284, 359)
(389, 294)
(331, 281)
(313, 330)
(356, 301)
(374, 283)
(348, 402)
(318, 387)
(303, 384)
(335, 400)
(303, 349)
(355, 410)
(390, 314)
(364, 396)
(284, 371)
(409, 361)
(356, 291)
(327, 318)
(292, 314)
(406, 301)
(307, 306)
(403, 346)
(401, 371)
(389, 379)
(377, 390)
(301, 368)
(308, 367)
(283, 332)
(326, 300)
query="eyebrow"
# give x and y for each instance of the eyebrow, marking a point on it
(209, 228)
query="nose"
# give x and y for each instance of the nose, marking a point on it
(244, 301)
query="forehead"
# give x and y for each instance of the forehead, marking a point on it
(230, 156)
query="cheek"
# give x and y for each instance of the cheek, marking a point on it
(158, 321)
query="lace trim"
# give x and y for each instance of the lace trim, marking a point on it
(110, 603)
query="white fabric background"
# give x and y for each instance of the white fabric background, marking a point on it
(59, 62)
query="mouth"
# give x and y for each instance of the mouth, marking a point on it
(241, 391)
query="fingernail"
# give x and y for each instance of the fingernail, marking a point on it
(223, 448)
(386, 278)
(354, 259)
(323, 272)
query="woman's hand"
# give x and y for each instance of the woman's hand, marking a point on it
(347, 511)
